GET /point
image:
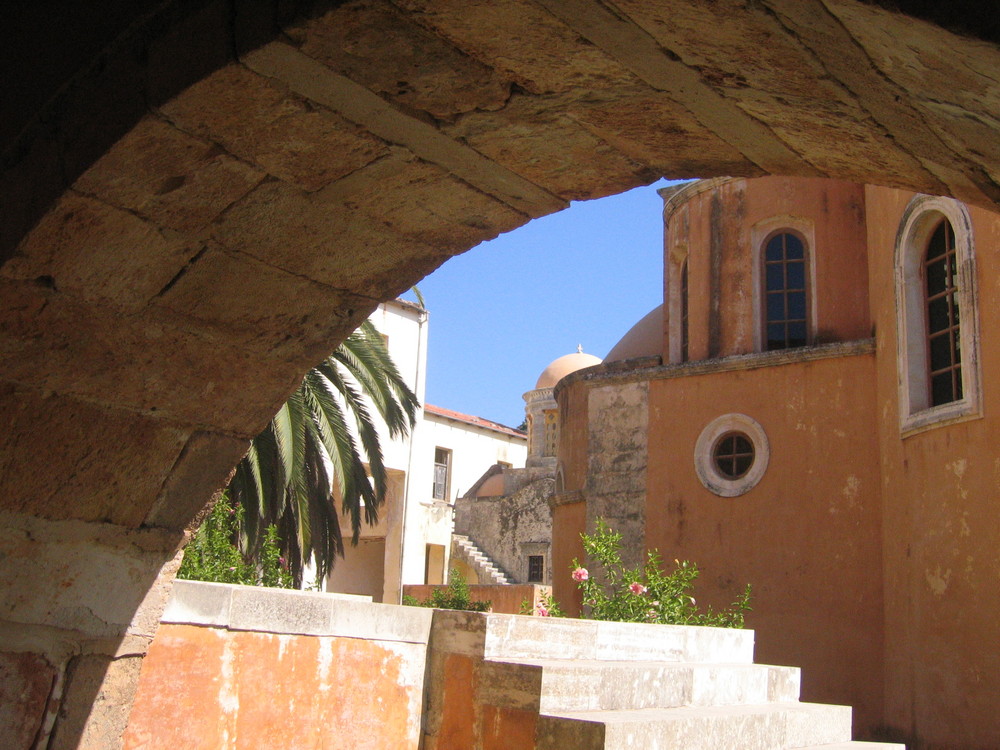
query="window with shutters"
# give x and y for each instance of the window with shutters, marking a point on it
(442, 468)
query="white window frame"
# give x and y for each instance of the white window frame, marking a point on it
(920, 217)
(449, 455)
(704, 455)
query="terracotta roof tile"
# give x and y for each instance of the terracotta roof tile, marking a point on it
(457, 416)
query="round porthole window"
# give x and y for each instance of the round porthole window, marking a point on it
(731, 455)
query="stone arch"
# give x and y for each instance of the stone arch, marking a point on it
(200, 199)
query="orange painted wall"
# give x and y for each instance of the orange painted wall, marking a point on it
(942, 522)
(211, 688)
(716, 229)
(807, 536)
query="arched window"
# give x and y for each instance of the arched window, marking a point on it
(786, 291)
(937, 321)
(944, 339)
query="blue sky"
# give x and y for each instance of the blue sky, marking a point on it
(505, 309)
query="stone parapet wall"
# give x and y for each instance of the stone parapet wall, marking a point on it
(235, 666)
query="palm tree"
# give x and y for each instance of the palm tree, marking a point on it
(310, 453)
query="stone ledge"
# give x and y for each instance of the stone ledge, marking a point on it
(294, 612)
(507, 637)
(642, 369)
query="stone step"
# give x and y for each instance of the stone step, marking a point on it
(553, 686)
(774, 726)
(479, 560)
(518, 637)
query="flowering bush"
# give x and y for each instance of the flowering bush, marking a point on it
(646, 594)
(547, 607)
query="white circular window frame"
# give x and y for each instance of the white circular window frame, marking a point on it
(704, 459)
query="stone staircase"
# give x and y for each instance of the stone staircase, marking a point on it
(531, 683)
(486, 569)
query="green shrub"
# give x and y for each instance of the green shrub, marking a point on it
(212, 554)
(456, 596)
(647, 593)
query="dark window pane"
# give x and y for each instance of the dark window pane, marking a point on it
(796, 275)
(937, 244)
(793, 247)
(775, 276)
(796, 305)
(941, 351)
(536, 566)
(797, 334)
(776, 336)
(958, 383)
(734, 455)
(741, 465)
(776, 306)
(941, 389)
(937, 314)
(937, 280)
(775, 250)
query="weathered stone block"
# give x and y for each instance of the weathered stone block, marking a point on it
(574, 163)
(85, 577)
(651, 128)
(376, 45)
(157, 362)
(199, 603)
(25, 683)
(202, 468)
(87, 248)
(258, 121)
(97, 703)
(524, 41)
(308, 319)
(421, 201)
(169, 177)
(78, 439)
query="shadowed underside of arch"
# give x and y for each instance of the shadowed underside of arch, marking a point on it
(202, 199)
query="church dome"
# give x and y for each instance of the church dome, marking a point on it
(644, 339)
(563, 366)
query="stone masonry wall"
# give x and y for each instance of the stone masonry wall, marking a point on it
(618, 456)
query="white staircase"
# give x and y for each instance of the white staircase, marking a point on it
(554, 684)
(486, 569)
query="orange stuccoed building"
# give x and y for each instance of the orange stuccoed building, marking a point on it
(811, 411)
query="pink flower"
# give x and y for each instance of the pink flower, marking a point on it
(580, 574)
(637, 588)
(543, 610)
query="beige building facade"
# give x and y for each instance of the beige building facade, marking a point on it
(444, 454)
